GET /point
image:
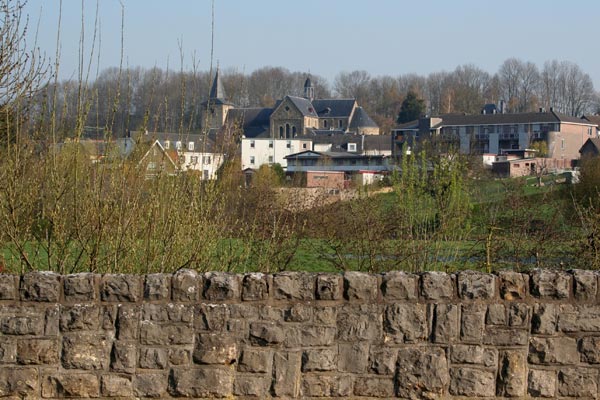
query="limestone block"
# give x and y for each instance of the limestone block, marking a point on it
(185, 285)
(578, 382)
(422, 372)
(80, 317)
(251, 386)
(329, 287)
(360, 322)
(120, 288)
(8, 350)
(471, 382)
(499, 336)
(214, 348)
(153, 358)
(541, 383)
(547, 351)
(123, 357)
(583, 318)
(325, 315)
(314, 385)
(319, 360)
(473, 354)
(512, 374)
(446, 326)
(128, 317)
(221, 286)
(310, 336)
(399, 286)
(472, 322)
(474, 285)
(437, 286)
(518, 315)
(590, 349)
(287, 374)
(116, 386)
(496, 314)
(294, 286)
(8, 287)
(353, 357)
(549, 284)
(21, 320)
(256, 360)
(40, 286)
(88, 351)
(298, 313)
(80, 287)
(360, 286)
(171, 313)
(374, 387)
(71, 385)
(406, 322)
(382, 361)
(513, 285)
(544, 320)
(37, 351)
(150, 384)
(266, 334)
(180, 356)
(211, 317)
(157, 287)
(586, 284)
(255, 287)
(162, 335)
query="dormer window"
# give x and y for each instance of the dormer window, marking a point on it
(352, 147)
(178, 145)
(191, 146)
(167, 144)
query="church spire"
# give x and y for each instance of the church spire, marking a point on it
(309, 91)
(217, 91)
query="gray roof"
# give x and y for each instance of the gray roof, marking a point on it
(361, 119)
(202, 142)
(377, 142)
(255, 121)
(304, 105)
(334, 108)
(337, 139)
(217, 91)
(506, 119)
(329, 154)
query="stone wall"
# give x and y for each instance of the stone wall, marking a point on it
(296, 335)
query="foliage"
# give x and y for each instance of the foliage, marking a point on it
(412, 108)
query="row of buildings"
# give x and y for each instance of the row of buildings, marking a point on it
(331, 141)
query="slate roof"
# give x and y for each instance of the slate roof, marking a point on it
(592, 145)
(202, 143)
(361, 119)
(377, 142)
(304, 105)
(507, 119)
(334, 108)
(217, 91)
(255, 121)
(594, 119)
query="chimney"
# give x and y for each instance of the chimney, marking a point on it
(502, 106)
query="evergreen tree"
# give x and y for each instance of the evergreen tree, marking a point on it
(412, 108)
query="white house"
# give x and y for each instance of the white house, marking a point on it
(259, 151)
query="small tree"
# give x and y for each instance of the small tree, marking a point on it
(412, 108)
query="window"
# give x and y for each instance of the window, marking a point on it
(562, 144)
(152, 165)
(287, 131)
(206, 160)
(516, 165)
(252, 144)
(194, 160)
(178, 145)
(303, 145)
(191, 146)
(270, 159)
(205, 174)
(167, 144)
(294, 131)
(351, 146)
(252, 160)
(288, 144)
(324, 123)
(270, 144)
(281, 132)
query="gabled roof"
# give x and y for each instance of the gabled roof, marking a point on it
(591, 145)
(303, 105)
(506, 119)
(594, 119)
(311, 154)
(377, 142)
(361, 119)
(334, 108)
(254, 121)
(202, 143)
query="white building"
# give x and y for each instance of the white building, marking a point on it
(259, 151)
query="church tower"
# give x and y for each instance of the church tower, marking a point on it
(309, 90)
(214, 111)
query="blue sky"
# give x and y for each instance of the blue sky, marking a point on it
(383, 37)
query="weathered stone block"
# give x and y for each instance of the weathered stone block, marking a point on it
(353, 357)
(474, 285)
(116, 386)
(19, 382)
(583, 318)
(518, 315)
(128, 317)
(445, 326)
(120, 287)
(399, 286)
(214, 348)
(19, 320)
(544, 320)
(578, 382)
(286, 374)
(294, 286)
(172, 313)
(265, 333)
(221, 286)
(150, 385)
(382, 361)
(80, 317)
(86, 351)
(590, 349)
(202, 382)
(374, 387)
(251, 386)
(325, 315)
(499, 336)
(298, 313)
(157, 286)
(37, 351)
(319, 360)
(153, 334)
(314, 385)
(8, 287)
(71, 385)
(560, 350)
(40, 286)
(360, 322)
(406, 322)
(255, 360)
(474, 354)
(472, 322)
(513, 285)
(123, 357)
(541, 383)
(496, 314)
(329, 287)
(548, 284)
(108, 317)
(153, 358)
(80, 287)
(422, 372)
(8, 350)
(211, 317)
(310, 336)
(512, 374)
(185, 285)
(255, 287)
(180, 356)
(359, 286)
(586, 284)
(472, 382)
(437, 286)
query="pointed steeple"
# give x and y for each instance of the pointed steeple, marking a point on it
(309, 91)
(217, 91)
